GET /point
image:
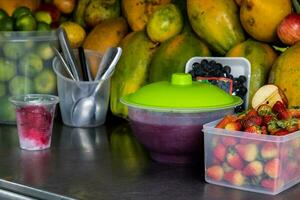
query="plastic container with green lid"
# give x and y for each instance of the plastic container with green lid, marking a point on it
(182, 95)
(167, 117)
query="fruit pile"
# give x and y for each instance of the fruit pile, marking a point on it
(220, 75)
(269, 115)
(252, 164)
(23, 19)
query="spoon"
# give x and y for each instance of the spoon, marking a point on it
(59, 56)
(107, 57)
(84, 109)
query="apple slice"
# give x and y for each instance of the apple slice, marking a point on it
(268, 94)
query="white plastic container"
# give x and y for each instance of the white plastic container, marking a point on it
(239, 66)
(275, 160)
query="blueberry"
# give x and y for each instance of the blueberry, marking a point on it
(230, 76)
(227, 69)
(212, 62)
(196, 64)
(242, 79)
(218, 66)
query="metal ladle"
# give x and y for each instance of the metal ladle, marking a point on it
(83, 110)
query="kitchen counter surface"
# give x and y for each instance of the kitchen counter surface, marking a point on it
(102, 163)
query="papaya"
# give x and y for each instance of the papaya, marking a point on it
(285, 74)
(107, 33)
(99, 10)
(261, 18)
(11, 5)
(261, 57)
(138, 12)
(216, 23)
(131, 72)
(172, 55)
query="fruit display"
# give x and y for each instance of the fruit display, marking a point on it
(25, 67)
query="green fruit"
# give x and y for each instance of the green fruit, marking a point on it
(45, 82)
(172, 55)
(43, 16)
(42, 26)
(131, 72)
(20, 11)
(7, 69)
(31, 64)
(7, 110)
(2, 89)
(20, 85)
(164, 23)
(45, 51)
(26, 23)
(6, 24)
(13, 50)
(3, 14)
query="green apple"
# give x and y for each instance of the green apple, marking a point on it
(20, 85)
(8, 69)
(45, 51)
(31, 64)
(7, 110)
(14, 50)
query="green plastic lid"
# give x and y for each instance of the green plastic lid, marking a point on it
(181, 94)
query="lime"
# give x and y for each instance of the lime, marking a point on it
(20, 11)
(45, 82)
(43, 16)
(42, 26)
(13, 50)
(3, 14)
(45, 51)
(7, 69)
(25, 23)
(2, 89)
(31, 64)
(6, 24)
(20, 85)
(7, 110)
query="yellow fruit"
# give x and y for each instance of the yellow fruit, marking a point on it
(107, 34)
(285, 74)
(216, 23)
(10, 5)
(138, 12)
(164, 23)
(261, 56)
(65, 6)
(260, 18)
(75, 33)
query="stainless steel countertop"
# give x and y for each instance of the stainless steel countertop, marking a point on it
(94, 164)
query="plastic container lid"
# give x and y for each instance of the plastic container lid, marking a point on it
(181, 94)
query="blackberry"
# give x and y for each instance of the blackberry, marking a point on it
(242, 79)
(227, 69)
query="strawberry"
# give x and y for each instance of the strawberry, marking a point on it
(248, 152)
(267, 119)
(251, 112)
(229, 140)
(281, 132)
(219, 152)
(273, 127)
(280, 109)
(271, 168)
(269, 150)
(234, 160)
(234, 177)
(215, 172)
(234, 126)
(268, 183)
(253, 129)
(252, 121)
(264, 130)
(264, 110)
(254, 168)
(227, 119)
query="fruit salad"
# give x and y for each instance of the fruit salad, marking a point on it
(34, 127)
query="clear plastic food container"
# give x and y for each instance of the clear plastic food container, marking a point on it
(25, 67)
(258, 163)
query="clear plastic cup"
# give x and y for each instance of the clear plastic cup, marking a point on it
(70, 92)
(35, 113)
